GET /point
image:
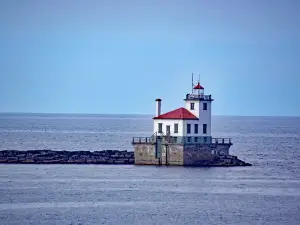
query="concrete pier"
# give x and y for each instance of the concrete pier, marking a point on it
(144, 155)
(176, 155)
(150, 151)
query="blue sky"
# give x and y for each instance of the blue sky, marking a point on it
(119, 56)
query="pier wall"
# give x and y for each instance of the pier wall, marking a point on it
(179, 154)
(196, 154)
(144, 154)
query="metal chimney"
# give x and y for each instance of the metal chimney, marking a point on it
(158, 107)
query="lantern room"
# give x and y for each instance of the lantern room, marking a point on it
(199, 90)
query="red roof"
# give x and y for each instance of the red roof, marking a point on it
(198, 86)
(181, 113)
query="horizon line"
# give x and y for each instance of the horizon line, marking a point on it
(144, 114)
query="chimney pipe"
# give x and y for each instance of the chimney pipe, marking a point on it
(158, 107)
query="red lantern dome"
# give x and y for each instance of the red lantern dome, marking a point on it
(198, 86)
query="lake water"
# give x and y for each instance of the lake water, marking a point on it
(266, 193)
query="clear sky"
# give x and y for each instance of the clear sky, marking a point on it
(119, 56)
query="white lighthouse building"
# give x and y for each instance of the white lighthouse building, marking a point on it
(192, 122)
(182, 136)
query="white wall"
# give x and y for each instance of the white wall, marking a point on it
(170, 123)
(203, 115)
(200, 128)
(182, 127)
(196, 107)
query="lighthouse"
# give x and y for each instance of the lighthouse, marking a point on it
(191, 122)
(182, 136)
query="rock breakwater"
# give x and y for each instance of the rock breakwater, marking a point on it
(66, 157)
(223, 161)
(97, 157)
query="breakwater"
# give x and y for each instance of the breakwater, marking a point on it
(224, 161)
(67, 157)
(98, 157)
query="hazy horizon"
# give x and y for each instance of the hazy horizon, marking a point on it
(126, 114)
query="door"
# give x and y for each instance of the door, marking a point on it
(158, 149)
(168, 129)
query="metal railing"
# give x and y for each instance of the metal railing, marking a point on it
(181, 140)
(221, 140)
(198, 97)
(143, 140)
(187, 140)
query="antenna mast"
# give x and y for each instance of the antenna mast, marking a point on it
(192, 83)
(199, 83)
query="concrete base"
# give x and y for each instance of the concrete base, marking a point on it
(179, 154)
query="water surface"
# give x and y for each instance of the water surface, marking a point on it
(266, 193)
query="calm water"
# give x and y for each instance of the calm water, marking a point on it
(267, 193)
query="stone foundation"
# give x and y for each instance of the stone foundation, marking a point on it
(186, 155)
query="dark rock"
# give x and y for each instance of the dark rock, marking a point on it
(110, 161)
(108, 152)
(68, 157)
(3, 160)
(119, 162)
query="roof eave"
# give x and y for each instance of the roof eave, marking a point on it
(199, 99)
(157, 118)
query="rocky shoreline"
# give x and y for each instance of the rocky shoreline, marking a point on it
(96, 157)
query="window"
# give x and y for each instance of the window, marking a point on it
(160, 127)
(189, 139)
(175, 128)
(205, 139)
(196, 128)
(205, 106)
(204, 128)
(195, 139)
(192, 106)
(188, 129)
